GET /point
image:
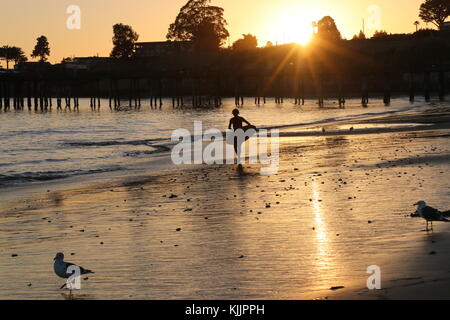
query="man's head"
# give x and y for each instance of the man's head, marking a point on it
(235, 112)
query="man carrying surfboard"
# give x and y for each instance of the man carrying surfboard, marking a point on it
(237, 123)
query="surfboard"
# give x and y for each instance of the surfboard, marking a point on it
(247, 128)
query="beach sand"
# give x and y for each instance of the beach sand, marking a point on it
(340, 203)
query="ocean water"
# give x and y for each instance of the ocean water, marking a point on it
(45, 146)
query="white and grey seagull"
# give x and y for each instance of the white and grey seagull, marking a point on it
(429, 214)
(60, 267)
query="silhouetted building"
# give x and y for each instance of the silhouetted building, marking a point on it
(158, 49)
(85, 63)
(32, 66)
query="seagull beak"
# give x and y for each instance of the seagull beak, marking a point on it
(415, 204)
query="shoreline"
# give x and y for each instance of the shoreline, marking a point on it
(157, 163)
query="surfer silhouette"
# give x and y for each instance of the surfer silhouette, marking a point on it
(237, 122)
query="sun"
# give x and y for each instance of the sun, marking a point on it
(292, 25)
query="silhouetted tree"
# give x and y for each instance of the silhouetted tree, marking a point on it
(327, 29)
(379, 34)
(269, 44)
(124, 40)
(4, 55)
(205, 37)
(66, 60)
(42, 49)
(360, 36)
(435, 11)
(417, 24)
(425, 33)
(200, 22)
(15, 54)
(248, 42)
(19, 55)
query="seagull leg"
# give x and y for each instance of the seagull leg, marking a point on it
(63, 286)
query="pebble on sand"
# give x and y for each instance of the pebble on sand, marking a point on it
(337, 288)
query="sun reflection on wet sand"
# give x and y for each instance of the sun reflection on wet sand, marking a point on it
(323, 259)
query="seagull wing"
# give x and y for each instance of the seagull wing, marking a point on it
(66, 267)
(446, 214)
(82, 270)
(85, 271)
(432, 214)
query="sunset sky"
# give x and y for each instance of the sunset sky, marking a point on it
(22, 21)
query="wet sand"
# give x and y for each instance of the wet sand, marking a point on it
(341, 202)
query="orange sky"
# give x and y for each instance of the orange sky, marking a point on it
(22, 21)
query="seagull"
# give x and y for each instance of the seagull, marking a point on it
(60, 267)
(429, 214)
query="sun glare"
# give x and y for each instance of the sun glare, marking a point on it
(293, 25)
(295, 28)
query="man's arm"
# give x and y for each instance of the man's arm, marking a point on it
(243, 120)
(229, 126)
